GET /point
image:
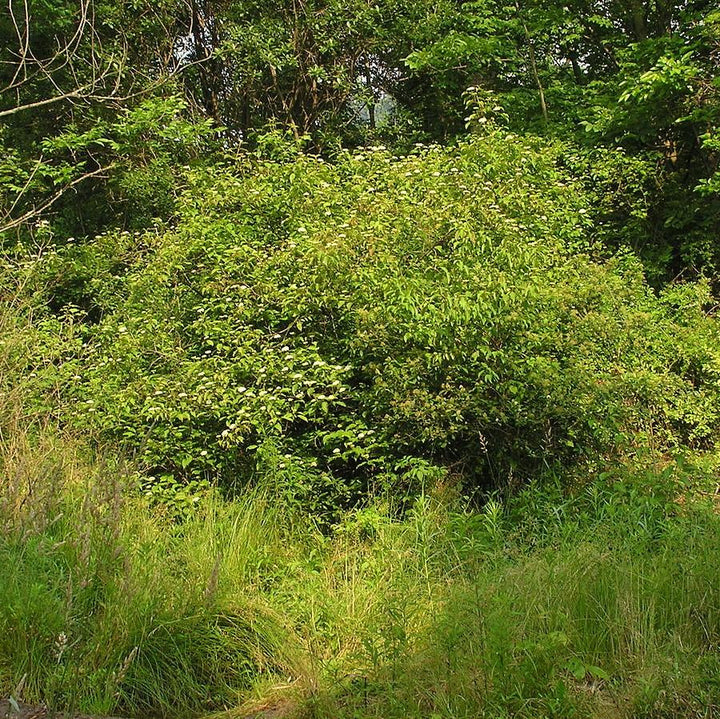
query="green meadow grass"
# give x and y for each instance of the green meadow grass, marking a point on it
(604, 602)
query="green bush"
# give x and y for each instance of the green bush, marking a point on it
(379, 321)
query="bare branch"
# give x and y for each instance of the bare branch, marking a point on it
(29, 67)
(40, 103)
(72, 68)
(22, 192)
(36, 211)
(24, 42)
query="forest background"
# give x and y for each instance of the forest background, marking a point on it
(360, 359)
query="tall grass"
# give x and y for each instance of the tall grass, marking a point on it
(103, 607)
(605, 604)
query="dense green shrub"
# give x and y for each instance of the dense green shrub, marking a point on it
(381, 320)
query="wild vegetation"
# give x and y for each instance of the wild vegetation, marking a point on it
(360, 360)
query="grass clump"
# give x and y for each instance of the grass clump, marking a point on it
(107, 608)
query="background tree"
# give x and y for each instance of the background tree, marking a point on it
(86, 103)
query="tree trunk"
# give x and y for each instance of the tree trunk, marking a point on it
(533, 65)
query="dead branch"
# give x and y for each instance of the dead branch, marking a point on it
(36, 211)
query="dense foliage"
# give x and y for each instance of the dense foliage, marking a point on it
(89, 139)
(380, 337)
(378, 322)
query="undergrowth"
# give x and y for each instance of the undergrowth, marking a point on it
(593, 596)
(598, 601)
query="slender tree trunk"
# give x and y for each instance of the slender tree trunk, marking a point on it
(637, 10)
(577, 70)
(207, 71)
(533, 65)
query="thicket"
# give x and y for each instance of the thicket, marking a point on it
(360, 360)
(375, 323)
